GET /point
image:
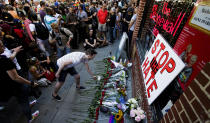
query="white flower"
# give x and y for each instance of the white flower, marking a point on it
(132, 113)
(132, 106)
(142, 116)
(138, 118)
(140, 110)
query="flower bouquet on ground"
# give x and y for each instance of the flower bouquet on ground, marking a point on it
(110, 96)
(134, 110)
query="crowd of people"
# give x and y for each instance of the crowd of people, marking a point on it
(36, 34)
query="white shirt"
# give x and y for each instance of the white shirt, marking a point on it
(75, 57)
(118, 17)
(133, 19)
(8, 53)
(33, 28)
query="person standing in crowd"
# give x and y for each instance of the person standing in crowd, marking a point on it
(20, 8)
(72, 24)
(126, 20)
(118, 23)
(13, 12)
(14, 85)
(41, 34)
(89, 21)
(132, 24)
(49, 18)
(42, 11)
(83, 18)
(102, 19)
(26, 23)
(112, 20)
(93, 8)
(62, 37)
(66, 65)
(94, 22)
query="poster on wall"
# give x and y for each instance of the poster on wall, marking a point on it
(193, 44)
(160, 66)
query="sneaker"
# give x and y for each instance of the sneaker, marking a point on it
(81, 87)
(34, 116)
(58, 98)
(32, 103)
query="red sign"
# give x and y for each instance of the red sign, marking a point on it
(193, 46)
(167, 25)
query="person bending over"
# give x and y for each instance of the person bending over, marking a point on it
(66, 65)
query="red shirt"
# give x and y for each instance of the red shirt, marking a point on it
(102, 15)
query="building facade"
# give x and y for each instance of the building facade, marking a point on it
(184, 25)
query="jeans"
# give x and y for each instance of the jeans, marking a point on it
(130, 35)
(62, 52)
(111, 32)
(44, 46)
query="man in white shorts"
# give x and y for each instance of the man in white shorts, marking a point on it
(66, 65)
(102, 18)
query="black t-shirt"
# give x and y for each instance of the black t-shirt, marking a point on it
(88, 14)
(93, 10)
(8, 87)
(91, 39)
(112, 20)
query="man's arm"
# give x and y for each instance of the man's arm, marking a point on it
(14, 76)
(133, 19)
(89, 71)
(130, 25)
(15, 51)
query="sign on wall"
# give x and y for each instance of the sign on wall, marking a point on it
(201, 18)
(166, 24)
(160, 67)
(193, 43)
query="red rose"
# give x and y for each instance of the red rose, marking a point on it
(101, 100)
(97, 109)
(110, 74)
(103, 93)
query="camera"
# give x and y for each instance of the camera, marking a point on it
(58, 39)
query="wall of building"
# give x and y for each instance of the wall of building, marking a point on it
(138, 82)
(194, 104)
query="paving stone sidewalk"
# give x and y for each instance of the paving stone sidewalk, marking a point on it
(74, 105)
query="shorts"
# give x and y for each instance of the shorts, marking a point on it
(64, 73)
(102, 27)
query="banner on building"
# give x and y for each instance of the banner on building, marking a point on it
(193, 44)
(160, 67)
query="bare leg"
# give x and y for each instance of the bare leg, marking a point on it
(77, 78)
(57, 88)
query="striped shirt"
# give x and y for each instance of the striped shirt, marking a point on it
(75, 57)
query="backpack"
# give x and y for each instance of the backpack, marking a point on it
(41, 31)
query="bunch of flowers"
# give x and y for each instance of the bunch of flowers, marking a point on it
(132, 103)
(134, 110)
(138, 114)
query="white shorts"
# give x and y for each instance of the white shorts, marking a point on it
(102, 27)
